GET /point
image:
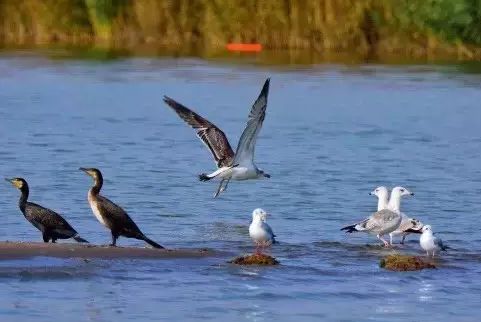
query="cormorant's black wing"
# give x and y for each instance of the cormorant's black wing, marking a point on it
(42, 217)
(117, 216)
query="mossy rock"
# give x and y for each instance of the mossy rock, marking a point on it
(255, 259)
(402, 263)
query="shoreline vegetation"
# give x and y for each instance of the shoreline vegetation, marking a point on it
(303, 31)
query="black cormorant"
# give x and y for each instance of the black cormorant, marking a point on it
(51, 224)
(110, 215)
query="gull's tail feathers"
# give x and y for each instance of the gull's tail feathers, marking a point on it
(413, 231)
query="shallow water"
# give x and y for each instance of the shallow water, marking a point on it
(331, 135)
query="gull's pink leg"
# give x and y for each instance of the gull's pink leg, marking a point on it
(386, 244)
(259, 248)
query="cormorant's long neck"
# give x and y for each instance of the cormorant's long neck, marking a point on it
(99, 181)
(23, 198)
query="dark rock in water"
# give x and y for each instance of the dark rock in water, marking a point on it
(402, 263)
(255, 259)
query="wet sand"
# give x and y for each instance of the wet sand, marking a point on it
(12, 250)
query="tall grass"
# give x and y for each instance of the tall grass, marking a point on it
(366, 27)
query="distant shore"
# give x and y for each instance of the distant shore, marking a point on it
(13, 250)
(370, 30)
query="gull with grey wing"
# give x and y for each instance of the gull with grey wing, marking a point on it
(231, 166)
(384, 221)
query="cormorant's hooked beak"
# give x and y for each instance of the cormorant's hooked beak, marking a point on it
(84, 170)
(14, 182)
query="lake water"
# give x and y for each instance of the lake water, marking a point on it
(332, 134)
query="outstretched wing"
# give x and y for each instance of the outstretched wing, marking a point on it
(247, 142)
(210, 134)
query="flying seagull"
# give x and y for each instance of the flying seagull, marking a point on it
(231, 166)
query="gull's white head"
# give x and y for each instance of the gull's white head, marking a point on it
(401, 191)
(395, 199)
(380, 192)
(259, 214)
(427, 228)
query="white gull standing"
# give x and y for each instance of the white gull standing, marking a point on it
(231, 166)
(429, 242)
(408, 225)
(260, 232)
(384, 221)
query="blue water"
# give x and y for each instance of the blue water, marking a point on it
(332, 134)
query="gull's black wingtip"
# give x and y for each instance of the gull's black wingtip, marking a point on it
(265, 88)
(170, 102)
(349, 229)
(266, 84)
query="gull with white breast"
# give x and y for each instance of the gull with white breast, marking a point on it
(384, 221)
(429, 242)
(260, 231)
(231, 166)
(408, 225)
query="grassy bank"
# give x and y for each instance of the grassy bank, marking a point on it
(422, 29)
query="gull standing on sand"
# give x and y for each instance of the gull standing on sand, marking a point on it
(231, 166)
(384, 221)
(408, 225)
(260, 232)
(429, 242)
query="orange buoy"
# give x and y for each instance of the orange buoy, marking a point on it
(244, 47)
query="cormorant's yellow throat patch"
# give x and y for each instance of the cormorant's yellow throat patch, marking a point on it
(17, 183)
